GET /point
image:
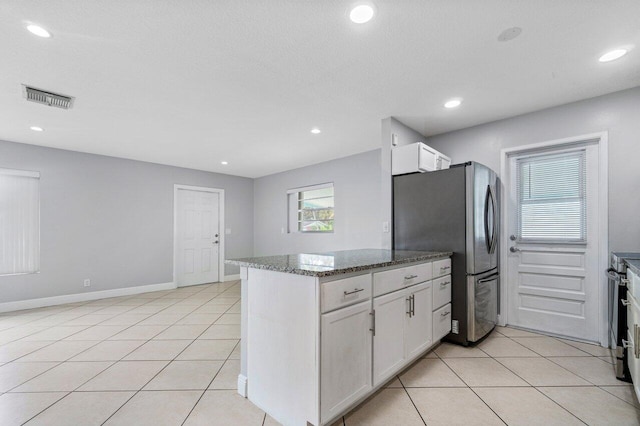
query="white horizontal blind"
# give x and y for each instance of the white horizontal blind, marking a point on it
(552, 198)
(311, 208)
(19, 222)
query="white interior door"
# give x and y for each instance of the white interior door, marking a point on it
(197, 237)
(552, 255)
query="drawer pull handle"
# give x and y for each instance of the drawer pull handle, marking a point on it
(444, 284)
(357, 290)
(444, 314)
(625, 302)
(410, 277)
(444, 268)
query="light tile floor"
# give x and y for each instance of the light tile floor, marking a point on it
(172, 358)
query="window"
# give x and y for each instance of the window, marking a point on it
(552, 198)
(19, 222)
(311, 208)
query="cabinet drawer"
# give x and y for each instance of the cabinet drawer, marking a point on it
(441, 322)
(387, 281)
(345, 292)
(441, 267)
(441, 291)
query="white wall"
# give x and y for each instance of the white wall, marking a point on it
(618, 113)
(357, 207)
(404, 136)
(111, 220)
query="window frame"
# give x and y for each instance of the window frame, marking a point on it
(293, 217)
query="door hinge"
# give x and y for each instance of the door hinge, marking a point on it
(373, 322)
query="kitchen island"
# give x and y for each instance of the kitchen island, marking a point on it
(323, 331)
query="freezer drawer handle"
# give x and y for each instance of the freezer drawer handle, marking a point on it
(625, 302)
(357, 290)
(410, 277)
(486, 280)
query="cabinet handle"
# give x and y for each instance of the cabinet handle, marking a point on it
(444, 268)
(444, 314)
(373, 322)
(636, 335)
(413, 305)
(625, 302)
(408, 299)
(357, 290)
(624, 282)
(444, 284)
(410, 277)
(626, 344)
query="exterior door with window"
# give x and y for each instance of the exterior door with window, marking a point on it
(197, 237)
(553, 241)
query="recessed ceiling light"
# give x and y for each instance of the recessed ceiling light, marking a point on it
(453, 103)
(613, 55)
(38, 30)
(36, 128)
(315, 130)
(224, 163)
(362, 13)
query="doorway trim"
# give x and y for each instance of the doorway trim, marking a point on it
(220, 192)
(603, 214)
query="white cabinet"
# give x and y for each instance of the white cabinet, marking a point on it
(388, 341)
(633, 336)
(441, 322)
(418, 333)
(417, 157)
(441, 291)
(346, 358)
(403, 329)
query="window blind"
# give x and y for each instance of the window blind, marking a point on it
(552, 198)
(19, 222)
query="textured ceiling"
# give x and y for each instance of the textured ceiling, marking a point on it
(192, 83)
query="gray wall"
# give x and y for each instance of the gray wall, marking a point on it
(111, 220)
(405, 136)
(618, 113)
(357, 207)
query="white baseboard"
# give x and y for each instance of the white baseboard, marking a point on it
(234, 277)
(82, 297)
(242, 385)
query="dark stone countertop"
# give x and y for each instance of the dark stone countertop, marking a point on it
(337, 262)
(634, 265)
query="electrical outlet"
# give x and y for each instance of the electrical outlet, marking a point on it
(87, 282)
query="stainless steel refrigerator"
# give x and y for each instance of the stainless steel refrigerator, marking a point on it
(456, 210)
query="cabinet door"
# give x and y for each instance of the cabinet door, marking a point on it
(418, 328)
(345, 357)
(388, 341)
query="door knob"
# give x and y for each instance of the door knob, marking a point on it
(215, 242)
(514, 249)
(216, 235)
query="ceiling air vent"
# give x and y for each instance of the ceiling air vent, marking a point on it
(47, 98)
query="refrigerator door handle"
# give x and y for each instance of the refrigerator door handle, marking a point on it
(494, 209)
(487, 241)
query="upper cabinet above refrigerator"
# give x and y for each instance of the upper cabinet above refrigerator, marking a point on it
(417, 157)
